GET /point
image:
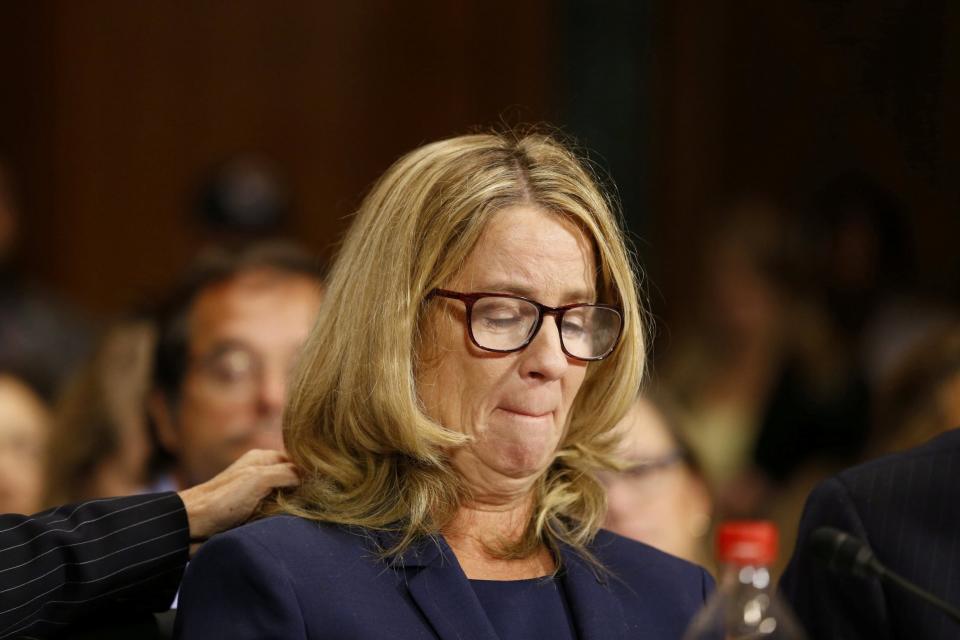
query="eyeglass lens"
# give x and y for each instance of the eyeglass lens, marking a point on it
(231, 370)
(505, 324)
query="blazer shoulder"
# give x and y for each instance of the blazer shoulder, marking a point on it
(281, 525)
(626, 558)
(659, 593)
(946, 445)
(297, 542)
(288, 530)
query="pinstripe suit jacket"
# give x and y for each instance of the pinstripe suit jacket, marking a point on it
(907, 508)
(64, 565)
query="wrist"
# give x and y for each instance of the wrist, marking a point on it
(195, 505)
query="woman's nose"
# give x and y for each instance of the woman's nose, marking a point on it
(272, 390)
(544, 356)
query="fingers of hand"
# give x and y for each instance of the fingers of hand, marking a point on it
(260, 457)
(257, 482)
(280, 475)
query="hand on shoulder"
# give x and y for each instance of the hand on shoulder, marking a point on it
(230, 498)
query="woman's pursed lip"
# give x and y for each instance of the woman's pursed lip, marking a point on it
(523, 412)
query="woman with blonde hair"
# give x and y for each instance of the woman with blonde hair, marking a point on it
(481, 337)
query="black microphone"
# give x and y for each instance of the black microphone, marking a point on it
(845, 554)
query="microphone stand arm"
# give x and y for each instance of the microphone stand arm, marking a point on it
(892, 578)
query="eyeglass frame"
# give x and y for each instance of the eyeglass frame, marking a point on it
(469, 299)
(649, 466)
(205, 365)
(641, 474)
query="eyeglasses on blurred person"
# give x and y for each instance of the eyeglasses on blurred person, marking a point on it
(228, 340)
(659, 495)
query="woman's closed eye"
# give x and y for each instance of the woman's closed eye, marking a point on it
(504, 316)
(501, 321)
(573, 329)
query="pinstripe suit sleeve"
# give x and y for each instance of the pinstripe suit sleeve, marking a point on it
(829, 605)
(64, 564)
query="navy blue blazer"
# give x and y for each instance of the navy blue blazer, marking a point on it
(907, 508)
(286, 577)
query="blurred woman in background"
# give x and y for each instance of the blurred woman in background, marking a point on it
(724, 365)
(660, 496)
(921, 397)
(100, 443)
(767, 381)
(24, 429)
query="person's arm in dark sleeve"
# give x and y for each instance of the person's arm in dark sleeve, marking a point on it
(129, 553)
(63, 564)
(831, 605)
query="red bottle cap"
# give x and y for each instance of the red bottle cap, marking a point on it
(745, 542)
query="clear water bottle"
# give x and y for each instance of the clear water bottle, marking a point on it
(745, 604)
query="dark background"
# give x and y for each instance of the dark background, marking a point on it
(112, 112)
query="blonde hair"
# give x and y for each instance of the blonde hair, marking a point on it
(354, 423)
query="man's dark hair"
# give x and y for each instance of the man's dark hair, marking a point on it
(214, 266)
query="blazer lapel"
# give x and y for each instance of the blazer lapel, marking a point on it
(596, 609)
(442, 592)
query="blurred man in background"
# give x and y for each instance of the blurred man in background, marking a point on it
(227, 344)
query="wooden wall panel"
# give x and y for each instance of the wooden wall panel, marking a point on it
(114, 110)
(775, 98)
(143, 98)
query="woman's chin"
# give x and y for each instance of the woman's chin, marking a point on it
(523, 462)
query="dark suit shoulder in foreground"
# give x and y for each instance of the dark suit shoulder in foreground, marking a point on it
(907, 508)
(62, 565)
(285, 577)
